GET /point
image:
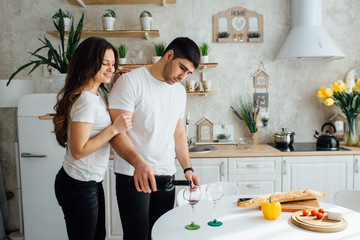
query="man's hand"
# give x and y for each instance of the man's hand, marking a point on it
(190, 175)
(142, 175)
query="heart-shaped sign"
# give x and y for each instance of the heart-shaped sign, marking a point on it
(238, 23)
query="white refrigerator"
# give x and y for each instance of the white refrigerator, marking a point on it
(40, 159)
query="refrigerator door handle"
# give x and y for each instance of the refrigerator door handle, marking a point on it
(29, 155)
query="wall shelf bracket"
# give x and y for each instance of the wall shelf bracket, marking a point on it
(81, 3)
(147, 36)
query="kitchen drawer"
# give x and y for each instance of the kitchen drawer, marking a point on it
(257, 184)
(254, 165)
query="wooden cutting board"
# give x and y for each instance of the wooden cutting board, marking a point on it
(299, 205)
(318, 225)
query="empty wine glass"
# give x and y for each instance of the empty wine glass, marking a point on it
(193, 196)
(214, 192)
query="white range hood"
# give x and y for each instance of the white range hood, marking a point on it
(307, 40)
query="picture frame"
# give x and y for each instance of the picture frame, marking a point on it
(264, 103)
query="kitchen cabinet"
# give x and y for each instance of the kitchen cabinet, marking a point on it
(113, 222)
(256, 175)
(327, 174)
(357, 172)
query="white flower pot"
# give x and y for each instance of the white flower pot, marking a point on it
(146, 23)
(67, 23)
(108, 23)
(204, 59)
(122, 60)
(155, 59)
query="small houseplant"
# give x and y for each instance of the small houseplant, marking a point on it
(222, 137)
(159, 49)
(108, 20)
(204, 50)
(223, 36)
(56, 59)
(254, 37)
(122, 53)
(146, 20)
(67, 18)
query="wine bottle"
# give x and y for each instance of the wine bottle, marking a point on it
(166, 182)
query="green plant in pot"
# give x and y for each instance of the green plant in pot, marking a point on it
(122, 53)
(222, 137)
(253, 36)
(67, 18)
(204, 50)
(223, 36)
(57, 59)
(108, 20)
(159, 49)
(146, 20)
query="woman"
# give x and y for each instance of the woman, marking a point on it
(83, 126)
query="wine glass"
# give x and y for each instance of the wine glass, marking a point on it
(214, 192)
(193, 196)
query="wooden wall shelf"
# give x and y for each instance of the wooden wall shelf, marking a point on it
(201, 92)
(115, 33)
(201, 65)
(111, 2)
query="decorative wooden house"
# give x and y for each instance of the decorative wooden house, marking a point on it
(339, 120)
(205, 130)
(261, 79)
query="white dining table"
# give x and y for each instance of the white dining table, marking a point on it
(244, 223)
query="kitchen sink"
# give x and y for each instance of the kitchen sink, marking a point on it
(201, 149)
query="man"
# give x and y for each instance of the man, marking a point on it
(156, 102)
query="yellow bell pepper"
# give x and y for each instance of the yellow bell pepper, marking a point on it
(271, 210)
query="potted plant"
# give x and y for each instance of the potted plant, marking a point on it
(57, 60)
(223, 36)
(204, 51)
(67, 18)
(160, 49)
(265, 121)
(254, 37)
(222, 137)
(122, 53)
(146, 20)
(108, 20)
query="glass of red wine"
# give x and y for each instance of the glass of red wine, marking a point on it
(192, 195)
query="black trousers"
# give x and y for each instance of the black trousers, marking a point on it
(138, 210)
(83, 206)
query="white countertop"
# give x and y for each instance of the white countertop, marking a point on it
(243, 223)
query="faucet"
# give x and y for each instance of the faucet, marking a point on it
(187, 122)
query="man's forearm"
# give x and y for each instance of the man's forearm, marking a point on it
(123, 146)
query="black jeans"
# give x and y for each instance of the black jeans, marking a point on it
(138, 210)
(83, 205)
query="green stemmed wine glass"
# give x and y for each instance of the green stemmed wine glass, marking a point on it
(214, 192)
(193, 196)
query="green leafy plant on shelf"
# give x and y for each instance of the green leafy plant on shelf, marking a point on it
(64, 14)
(109, 13)
(223, 136)
(204, 49)
(145, 14)
(253, 35)
(58, 59)
(122, 51)
(223, 35)
(160, 49)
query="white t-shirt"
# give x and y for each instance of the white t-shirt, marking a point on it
(89, 108)
(157, 108)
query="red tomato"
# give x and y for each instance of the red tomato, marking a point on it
(305, 212)
(319, 215)
(313, 212)
(321, 211)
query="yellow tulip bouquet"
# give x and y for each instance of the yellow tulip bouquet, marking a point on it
(345, 95)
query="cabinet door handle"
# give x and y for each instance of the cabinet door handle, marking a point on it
(29, 155)
(222, 169)
(255, 165)
(284, 167)
(254, 185)
(356, 165)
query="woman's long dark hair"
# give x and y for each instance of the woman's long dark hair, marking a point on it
(84, 65)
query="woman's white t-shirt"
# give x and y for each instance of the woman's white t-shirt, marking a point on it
(89, 108)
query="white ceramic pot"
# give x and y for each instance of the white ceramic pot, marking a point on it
(204, 59)
(59, 81)
(146, 23)
(155, 59)
(122, 60)
(108, 23)
(67, 23)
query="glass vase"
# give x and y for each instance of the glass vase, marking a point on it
(254, 137)
(351, 137)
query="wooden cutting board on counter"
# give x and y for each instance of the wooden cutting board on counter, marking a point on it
(312, 223)
(299, 205)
